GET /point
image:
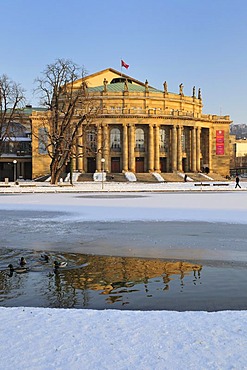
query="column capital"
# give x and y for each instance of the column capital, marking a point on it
(131, 125)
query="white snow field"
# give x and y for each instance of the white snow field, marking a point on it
(47, 339)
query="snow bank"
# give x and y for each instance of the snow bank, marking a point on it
(86, 339)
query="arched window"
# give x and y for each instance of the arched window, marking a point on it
(91, 140)
(140, 139)
(163, 139)
(115, 138)
(43, 140)
(183, 141)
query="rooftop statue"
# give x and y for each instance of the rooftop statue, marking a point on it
(181, 86)
(105, 82)
(199, 94)
(146, 85)
(194, 92)
(165, 87)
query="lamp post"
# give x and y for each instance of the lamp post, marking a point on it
(15, 169)
(103, 170)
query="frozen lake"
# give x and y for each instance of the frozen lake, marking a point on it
(208, 226)
(176, 251)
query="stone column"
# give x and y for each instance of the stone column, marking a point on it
(210, 143)
(106, 147)
(174, 148)
(22, 169)
(188, 151)
(198, 149)
(179, 151)
(74, 159)
(132, 148)
(84, 150)
(151, 148)
(193, 150)
(80, 150)
(125, 148)
(99, 149)
(157, 149)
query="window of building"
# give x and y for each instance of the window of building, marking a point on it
(43, 140)
(120, 79)
(163, 143)
(115, 139)
(91, 140)
(140, 139)
(183, 141)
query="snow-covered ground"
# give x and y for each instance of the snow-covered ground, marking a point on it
(98, 186)
(38, 338)
(47, 339)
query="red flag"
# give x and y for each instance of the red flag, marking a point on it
(125, 65)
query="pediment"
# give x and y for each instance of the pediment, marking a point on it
(96, 79)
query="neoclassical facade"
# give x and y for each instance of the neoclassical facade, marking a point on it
(143, 129)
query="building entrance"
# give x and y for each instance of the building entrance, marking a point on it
(91, 165)
(139, 164)
(6, 171)
(185, 165)
(115, 165)
(163, 164)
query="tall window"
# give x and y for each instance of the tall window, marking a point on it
(43, 140)
(163, 143)
(183, 141)
(91, 140)
(115, 138)
(140, 139)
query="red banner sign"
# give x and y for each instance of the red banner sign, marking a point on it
(220, 142)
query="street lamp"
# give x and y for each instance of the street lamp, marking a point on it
(103, 169)
(15, 169)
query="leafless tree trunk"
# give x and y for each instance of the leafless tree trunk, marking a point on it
(11, 108)
(69, 111)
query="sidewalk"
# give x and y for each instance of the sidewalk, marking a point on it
(45, 187)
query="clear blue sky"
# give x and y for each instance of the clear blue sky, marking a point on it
(196, 42)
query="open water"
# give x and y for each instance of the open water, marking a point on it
(107, 282)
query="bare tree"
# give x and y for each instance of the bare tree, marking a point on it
(69, 112)
(12, 101)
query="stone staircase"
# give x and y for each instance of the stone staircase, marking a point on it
(148, 177)
(217, 177)
(116, 177)
(85, 177)
(171, 177)
(197, 176)
(145, 177)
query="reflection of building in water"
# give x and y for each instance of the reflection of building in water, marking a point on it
(111, 273)
(96, 281)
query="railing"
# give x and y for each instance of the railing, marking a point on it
(160, 112)
(115, 149)
(139, 149)
(16, 150)
(146, 112)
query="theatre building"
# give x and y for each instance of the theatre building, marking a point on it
(143, 129)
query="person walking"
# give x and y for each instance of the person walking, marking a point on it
(237, 182)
